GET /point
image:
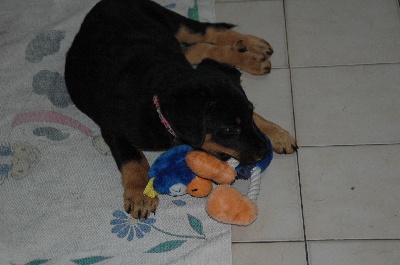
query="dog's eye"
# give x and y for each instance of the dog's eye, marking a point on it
(229, 131)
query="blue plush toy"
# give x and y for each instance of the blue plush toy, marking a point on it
(170, 173)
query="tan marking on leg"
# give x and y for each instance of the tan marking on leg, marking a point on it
(253, 63)
(134, 180)
(281, 140)
(212, 36)
(198, 52)
(231, 37)
(184, 35)
(224, 37)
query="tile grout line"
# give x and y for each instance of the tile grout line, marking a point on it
(268, 241)
(353, 239)
(341, 65)
(350, 145)
(295, 132)
(315, 240)
(242, 1)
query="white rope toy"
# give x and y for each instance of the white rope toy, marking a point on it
(255, 180)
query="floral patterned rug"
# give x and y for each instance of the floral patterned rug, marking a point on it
(60, 191)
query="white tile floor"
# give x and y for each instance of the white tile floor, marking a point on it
(336, 86)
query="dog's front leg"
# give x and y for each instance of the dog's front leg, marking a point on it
(134, 170)
(134, 179)
(282, 142)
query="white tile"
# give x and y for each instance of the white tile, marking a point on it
(347, 104)
(279, 216)
(283, 253)
(271, 96)
(343, 32)
(264, 19)
(351, 192)
(279, 204)
(354, 252)
(219, 1)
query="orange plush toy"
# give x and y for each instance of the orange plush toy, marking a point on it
(183, 170)
(225, 203)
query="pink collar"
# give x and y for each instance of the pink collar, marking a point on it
(162, 118)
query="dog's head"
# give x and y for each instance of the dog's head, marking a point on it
(212, 112)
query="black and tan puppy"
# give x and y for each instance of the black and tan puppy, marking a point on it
(132, 59)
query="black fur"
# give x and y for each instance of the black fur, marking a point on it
(125, 53)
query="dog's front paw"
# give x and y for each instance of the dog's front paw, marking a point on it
(137, 204)
(283, 143)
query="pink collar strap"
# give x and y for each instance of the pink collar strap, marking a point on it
(162, 118)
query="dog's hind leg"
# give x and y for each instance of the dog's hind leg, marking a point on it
(220, 43)
(221, 34)
(236, 55)
(134, 170)
(230, 37)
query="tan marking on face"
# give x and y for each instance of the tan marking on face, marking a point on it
(216, 149)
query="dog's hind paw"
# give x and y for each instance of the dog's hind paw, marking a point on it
(257, 45)
(253, 63)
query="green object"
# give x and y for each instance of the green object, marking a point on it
(90, 260)
(193, 12)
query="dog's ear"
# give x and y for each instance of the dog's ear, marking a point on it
(185, 110)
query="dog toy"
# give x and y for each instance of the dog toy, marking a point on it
(183, 170)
